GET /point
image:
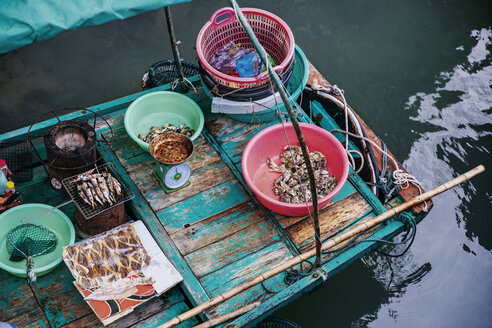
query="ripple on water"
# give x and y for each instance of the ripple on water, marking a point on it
(446, 275)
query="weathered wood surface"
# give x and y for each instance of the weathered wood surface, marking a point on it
(203, 205)
(15, 290)
(207, 170)
(331, 220)
(210, 230)
(235, 246)
(34, 318)
(235, 273)
(233, 135)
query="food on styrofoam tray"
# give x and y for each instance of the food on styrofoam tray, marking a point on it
(98, 188)
(155, 131)
(293, 183)
(109, 259)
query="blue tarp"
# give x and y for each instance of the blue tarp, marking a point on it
(25, 21)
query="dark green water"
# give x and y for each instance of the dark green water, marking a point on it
(418, 72)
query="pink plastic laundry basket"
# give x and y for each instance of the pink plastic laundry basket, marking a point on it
(272, 32)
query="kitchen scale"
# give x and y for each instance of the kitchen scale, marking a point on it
(170, 150)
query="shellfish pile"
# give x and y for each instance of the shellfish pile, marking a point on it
(98, 188)
(293, 183)
(155, 131)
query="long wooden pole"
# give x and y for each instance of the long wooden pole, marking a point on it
(215, 321)
(327, 245)
(174, 45)
(295, 125)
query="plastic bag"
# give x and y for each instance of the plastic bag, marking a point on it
(248, 65)
(224, 59)
(106, 258)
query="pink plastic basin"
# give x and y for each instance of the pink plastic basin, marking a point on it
(270, 143)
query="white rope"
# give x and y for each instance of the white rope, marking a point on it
(187, 82)
(400, 177)
(327, 93)
(339, 92)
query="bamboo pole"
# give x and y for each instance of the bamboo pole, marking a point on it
(215, 321)
(293, 119)
(327, 245)
(174, 45)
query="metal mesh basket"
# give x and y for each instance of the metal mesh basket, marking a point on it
(86, 210)
(274, 322)
(18, 158)
(165, 72)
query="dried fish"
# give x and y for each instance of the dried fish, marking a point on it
(293, 183)
(117, 186)
(155, 131)
(104, 189)
(97, 189)
(83, 195)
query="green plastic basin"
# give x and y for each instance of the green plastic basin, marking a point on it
(56, 221)
(157, 108)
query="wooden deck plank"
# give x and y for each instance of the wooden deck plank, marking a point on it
(331, 220)
(232, 248)
(5, 275)
(123, 146)
(31, 319)
(201, 206)
(16, 297)
(233, 135)
(215, 228)
(61, 310)
(286, 221)
(250, 266)
(207, 171)
(89, 320)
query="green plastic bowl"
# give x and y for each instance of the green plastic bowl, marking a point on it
(157, 108)
(56, 221)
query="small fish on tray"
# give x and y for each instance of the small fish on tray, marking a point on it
(98, 188)
(293, 183)
(155, 131)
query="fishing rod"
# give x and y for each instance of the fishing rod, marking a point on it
(356, 230)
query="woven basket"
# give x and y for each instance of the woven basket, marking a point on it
(272, 32)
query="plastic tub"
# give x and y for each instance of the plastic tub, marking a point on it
(157, 108)
(270, 142)
(295, 85)
(244, 94)
(57, 221)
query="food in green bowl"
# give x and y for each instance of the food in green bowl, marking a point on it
(159, 108)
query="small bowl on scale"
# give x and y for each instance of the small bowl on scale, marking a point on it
(170, 150)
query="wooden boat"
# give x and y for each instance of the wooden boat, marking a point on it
(215, 231)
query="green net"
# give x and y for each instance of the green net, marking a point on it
(27, 241)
